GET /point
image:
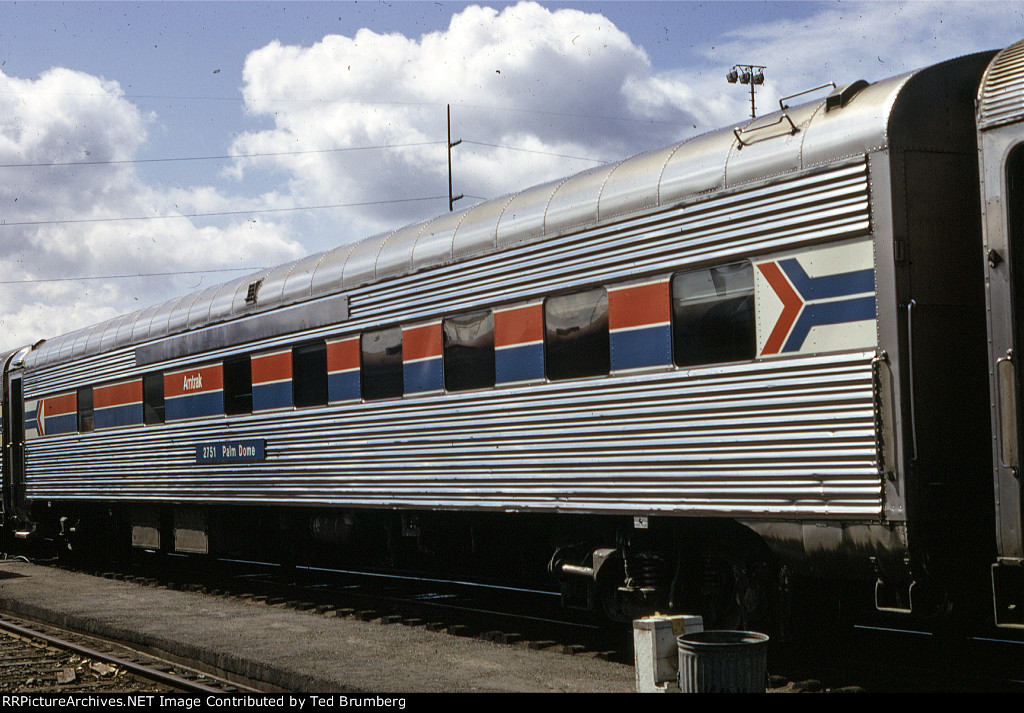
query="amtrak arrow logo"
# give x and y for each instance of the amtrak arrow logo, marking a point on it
(814, 301)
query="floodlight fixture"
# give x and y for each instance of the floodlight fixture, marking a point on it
(752, 74)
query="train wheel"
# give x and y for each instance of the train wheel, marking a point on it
(740, 589)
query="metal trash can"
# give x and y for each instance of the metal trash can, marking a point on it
(723, 662)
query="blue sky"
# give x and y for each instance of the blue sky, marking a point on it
(343, 104)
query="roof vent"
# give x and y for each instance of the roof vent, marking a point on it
(254, 288)
(842, 96)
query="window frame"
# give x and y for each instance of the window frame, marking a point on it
(382, 375)
(85, 410)
(309, 374)
(153, 405)
(237, 385)
(739, 347)
(461, 359)
(573, 357)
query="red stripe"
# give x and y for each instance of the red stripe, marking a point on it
(791, 306)
(129, 392)
(271, 367)
(638, 305)
(422, 342)
(343, 355)
(520, 325)
(60, 405)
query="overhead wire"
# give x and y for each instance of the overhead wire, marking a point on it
(35, 280)
(214, 158)
(231, 157)
(4, 224)
(54, 164)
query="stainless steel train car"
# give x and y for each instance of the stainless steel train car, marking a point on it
(780, 351)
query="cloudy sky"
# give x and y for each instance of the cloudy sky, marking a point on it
(152, 149)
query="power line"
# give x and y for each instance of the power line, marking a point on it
(127, 277)
(577, 116)
(222, 213)
(543, 153)
(215, 158)
(224, 157)
(542, 112)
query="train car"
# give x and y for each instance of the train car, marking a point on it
(1001, 160)
(681, 381)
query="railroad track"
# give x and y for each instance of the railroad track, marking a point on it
(890, 654)
(527, 618)
(41, 659)
(504, 615)
(530, 618)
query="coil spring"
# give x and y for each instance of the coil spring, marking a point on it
(647, 570)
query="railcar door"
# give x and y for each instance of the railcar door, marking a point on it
(1001, 144)
(13, 419)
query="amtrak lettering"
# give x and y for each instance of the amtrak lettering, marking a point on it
(194, 393)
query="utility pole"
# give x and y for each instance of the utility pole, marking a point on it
(451, 198)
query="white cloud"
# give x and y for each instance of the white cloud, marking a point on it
(872, 40)
(551, 82)
(69, 116)
(559, 81)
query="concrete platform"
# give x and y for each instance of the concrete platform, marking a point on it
(293, 650)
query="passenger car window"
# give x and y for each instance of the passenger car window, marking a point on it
(468, 349)
(576, 341)
(152, 399)
(713, 315)
(237, 385)
(86, 421)
(381, 375)
(309, 374)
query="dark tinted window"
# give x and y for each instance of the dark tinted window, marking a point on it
(309, 374)
(237, 385)
(381, 366)
(576, 342)
(153, 399)
(468, 343)
(85, 410)
(713, 315)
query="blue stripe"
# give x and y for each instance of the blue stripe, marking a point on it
(816, 315)
(426, 375)
(343, 386)
(210, 403)
(271, 396)
(30, 419)
(114, 416)
(820, 288)
(65, 423)
(635, 348)
(522, 363)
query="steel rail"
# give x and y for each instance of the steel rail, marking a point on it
(137, 669)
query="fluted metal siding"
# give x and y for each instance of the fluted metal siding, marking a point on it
(1001, 96)
(825, 206)
(792, 436)
(695, 168)
(760, 438)
(822, 206)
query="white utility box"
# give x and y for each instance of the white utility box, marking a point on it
(654, 650)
